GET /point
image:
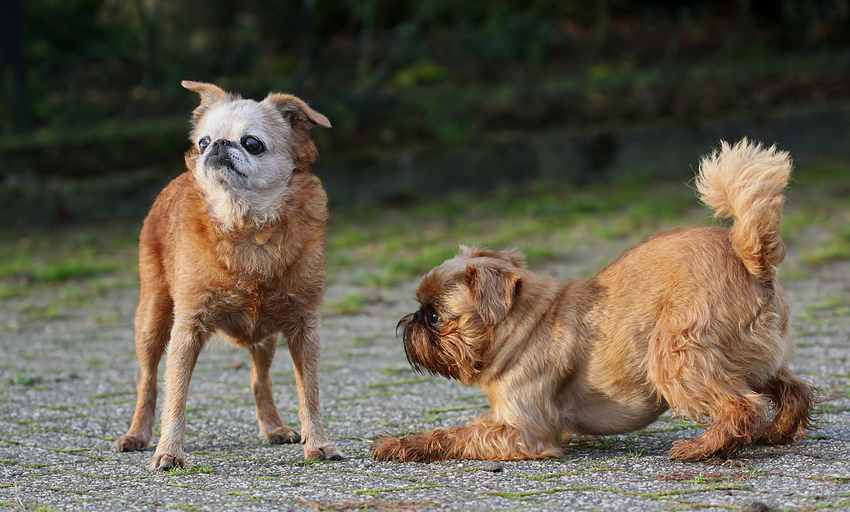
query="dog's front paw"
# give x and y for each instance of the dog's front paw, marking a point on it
(323, 452)
(163, 461)
(130, 443)
(387, 448)
(283, 435)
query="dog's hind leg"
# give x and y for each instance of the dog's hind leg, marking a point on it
(305, 347)
(271, 425)
(735, 420)
(793, 402)
(153, 326)
(693, 374)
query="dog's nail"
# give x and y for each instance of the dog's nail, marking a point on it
(336, 456)
(285, 438)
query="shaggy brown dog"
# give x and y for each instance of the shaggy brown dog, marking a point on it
(692, 319)
(234, 245)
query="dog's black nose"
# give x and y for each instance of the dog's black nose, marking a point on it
(216, 147)
(417, 317)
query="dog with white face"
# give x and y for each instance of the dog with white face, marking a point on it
(246, 156)
(235, 246)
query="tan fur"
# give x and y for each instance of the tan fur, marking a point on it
(692, 319)
(210, 261)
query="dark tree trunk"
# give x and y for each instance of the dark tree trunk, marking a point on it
(13, 61)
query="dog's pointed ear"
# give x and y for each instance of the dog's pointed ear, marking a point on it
(298, 113)
(493, 289)
(210, 95)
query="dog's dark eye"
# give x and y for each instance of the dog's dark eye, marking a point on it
(434, 320)
(252, 145)
(203, 143)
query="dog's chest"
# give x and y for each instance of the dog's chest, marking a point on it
(253, 311)
(247, 258)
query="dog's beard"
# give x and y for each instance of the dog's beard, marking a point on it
(446, 354)
(421, 346)
(237, 197)
(224, 169)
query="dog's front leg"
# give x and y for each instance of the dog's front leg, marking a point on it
(187, 339)
(481, 440)
(305, 346)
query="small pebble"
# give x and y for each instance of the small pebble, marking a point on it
(488, 465)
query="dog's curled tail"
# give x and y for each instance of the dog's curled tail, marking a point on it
(744, 182)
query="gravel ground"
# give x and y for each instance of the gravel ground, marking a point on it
(67, 389)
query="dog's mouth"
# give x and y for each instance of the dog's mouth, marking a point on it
(405, 325)
(224, 165)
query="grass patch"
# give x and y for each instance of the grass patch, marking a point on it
(375, 492)
(364, 341)
(23, 380)
(837, 479)
(543, 478)
(827, 309)
(835, 248)
(191, 470)
(375, 247)
(395, 372)
(825, 173)
(112, 394)
(526, 494)
(352, 304)
(50, 256)
(68, 450)
(384, 246)
(310, 462)
(50, 311)
(394, 245)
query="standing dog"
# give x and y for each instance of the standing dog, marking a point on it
(692, 319)
(234, 245)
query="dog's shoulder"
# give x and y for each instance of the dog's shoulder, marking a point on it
(178, 200)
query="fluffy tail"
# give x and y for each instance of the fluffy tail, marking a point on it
(744, 182)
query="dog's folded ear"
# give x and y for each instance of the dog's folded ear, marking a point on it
(297, 112)
(493, 289)
(513, 256)
(210, 95)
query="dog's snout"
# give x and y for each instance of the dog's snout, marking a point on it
(217, 146)
(417, 317)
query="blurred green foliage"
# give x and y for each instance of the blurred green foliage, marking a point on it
(391, 71)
